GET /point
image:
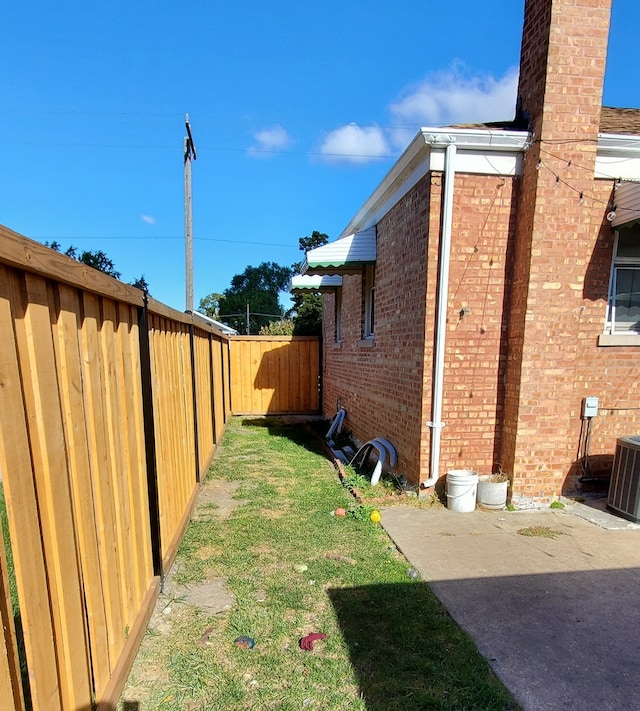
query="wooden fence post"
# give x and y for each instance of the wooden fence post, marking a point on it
(224, 390)
(212, 390)
(150, 439)
(194, 392)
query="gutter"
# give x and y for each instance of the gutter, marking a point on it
(436, 423)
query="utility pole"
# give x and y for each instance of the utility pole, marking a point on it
(248, 329)
(189, 153)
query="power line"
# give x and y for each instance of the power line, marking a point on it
(40, 238)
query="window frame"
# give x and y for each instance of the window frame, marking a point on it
(337, 331)
(368, 302)
(618, 264)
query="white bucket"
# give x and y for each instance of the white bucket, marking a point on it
(462, 486)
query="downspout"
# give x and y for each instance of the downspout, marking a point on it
(436, 424)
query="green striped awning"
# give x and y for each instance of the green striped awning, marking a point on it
(344, 256)
(314, 282)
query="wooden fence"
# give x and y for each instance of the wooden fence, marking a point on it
(111, 406)
(275, 375)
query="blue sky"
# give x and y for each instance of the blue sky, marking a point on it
(298, 110)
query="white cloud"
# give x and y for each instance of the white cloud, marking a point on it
(454, 96)
(148, 219)
(442, 98)
(355, 144)
(270, 140)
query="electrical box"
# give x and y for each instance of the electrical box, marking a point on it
(589, 407)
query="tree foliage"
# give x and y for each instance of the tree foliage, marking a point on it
(98, 260)
(307, 308)
(278, 328)
(259, 287)
(142, 284)
(210, 306)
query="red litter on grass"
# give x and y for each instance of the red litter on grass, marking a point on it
(306, 643)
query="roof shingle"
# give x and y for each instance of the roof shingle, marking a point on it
(612, 120)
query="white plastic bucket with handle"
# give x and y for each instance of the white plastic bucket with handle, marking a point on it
(462, 488)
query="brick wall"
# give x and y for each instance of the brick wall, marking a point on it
(476, 335)
(386, 388)
(381, 384)
(530, 262)
(562, 69)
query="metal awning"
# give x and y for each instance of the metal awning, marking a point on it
(344, 256)
(627, 204)
(314, 282)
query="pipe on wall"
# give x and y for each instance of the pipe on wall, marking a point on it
(436, 424)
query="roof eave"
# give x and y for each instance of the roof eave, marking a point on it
(414, 163)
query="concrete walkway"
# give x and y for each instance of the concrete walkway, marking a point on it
(558, 618)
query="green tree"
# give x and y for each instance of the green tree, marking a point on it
(259, 287)
(278, 328)
(142, 284)
(98, 259)
(210, 306)
(307, 308)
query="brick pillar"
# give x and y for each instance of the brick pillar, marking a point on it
(560, 95)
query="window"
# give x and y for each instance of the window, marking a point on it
(623, 313)
(368, 299)
(338, 315)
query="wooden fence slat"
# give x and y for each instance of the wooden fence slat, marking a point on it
(10, 682)
(227, 360)
(131, 406)
(218, 387)
(22, 510)
(46, 434)
(115, 418)
(298, 381)
(281, 395)
(99, 458)
(70, 379)
(157, 342)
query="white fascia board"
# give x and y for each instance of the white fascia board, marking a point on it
(618, 157)
(475, 162)
(479, 151)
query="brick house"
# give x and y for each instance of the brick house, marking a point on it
(492, 280)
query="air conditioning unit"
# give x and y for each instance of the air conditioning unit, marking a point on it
(624, 488)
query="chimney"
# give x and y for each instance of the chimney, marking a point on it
(562, 65)
(562, 62)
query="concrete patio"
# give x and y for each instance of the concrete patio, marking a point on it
(557, 617)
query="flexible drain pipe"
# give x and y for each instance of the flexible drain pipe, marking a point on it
(436, 423)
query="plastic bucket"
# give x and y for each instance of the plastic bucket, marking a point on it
(462, 487)
(492, 494)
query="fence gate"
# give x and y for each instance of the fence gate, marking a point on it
(275, 375)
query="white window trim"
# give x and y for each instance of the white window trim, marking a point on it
(369, 287)
(611, 336)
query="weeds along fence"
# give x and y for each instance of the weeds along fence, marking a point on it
(111, 407)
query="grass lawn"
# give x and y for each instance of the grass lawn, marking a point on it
(294, 569)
